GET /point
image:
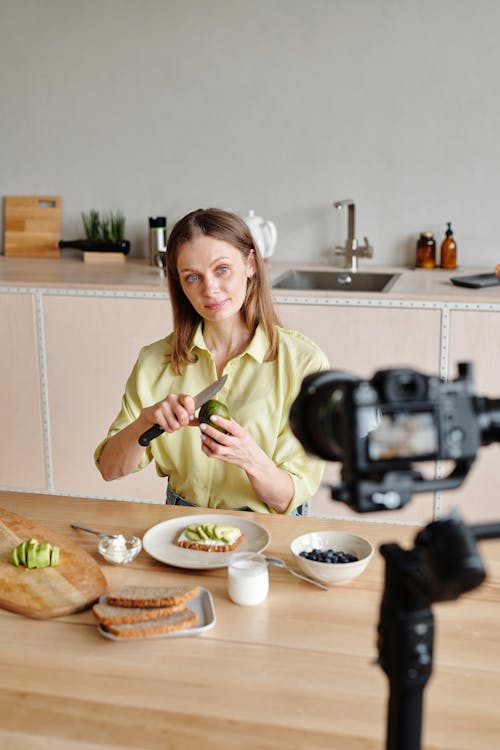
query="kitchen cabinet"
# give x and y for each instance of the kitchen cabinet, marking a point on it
(91, 344)
(70, 335)
(362, 340)
(22, 455)
(476, 338)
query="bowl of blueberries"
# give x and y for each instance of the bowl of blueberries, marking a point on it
(332, 557)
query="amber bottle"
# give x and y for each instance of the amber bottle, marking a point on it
(426, 251)
(449, 249)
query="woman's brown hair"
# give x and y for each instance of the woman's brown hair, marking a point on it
(258, 305)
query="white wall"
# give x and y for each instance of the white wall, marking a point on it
(283, 106)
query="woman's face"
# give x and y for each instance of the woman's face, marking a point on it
(214, 276)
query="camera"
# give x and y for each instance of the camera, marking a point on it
(379, 428)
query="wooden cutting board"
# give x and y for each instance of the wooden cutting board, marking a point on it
(73, 585)
(32, 226)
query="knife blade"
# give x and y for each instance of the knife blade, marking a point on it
(201, 398)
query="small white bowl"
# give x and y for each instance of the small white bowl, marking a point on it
(119, 550)
(339, 541)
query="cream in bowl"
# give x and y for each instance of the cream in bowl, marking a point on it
(332, 573)
(119, 550)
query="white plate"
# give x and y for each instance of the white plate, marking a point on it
(159, 541)
(202, 605)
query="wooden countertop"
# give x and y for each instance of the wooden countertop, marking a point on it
(294, 672)
(136, 275)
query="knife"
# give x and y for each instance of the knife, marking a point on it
(201, 398)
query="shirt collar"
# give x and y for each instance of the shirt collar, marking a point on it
(257, 348)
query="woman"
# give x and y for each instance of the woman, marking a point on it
(224, 322)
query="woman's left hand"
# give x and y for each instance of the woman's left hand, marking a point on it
(271, 484)
(235, 446)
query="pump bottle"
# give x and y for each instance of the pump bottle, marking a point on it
(449, 249)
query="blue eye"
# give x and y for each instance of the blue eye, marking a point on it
(192, 277)
(222, 270)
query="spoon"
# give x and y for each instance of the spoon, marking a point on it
(282, 564)
(91, 531)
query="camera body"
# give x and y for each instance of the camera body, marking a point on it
(378, 428)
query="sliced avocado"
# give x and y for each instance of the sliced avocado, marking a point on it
(43, 555)
(54, 556)
(223, 531)
(14, 557)
(21, 551)
(201, 532)
(209, 528)
(192, 527)
(32, 553)
(192, 535)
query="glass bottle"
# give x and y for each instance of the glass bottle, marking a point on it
(449, 249)
(426, 251)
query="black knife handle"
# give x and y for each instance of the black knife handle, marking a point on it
(150, 435)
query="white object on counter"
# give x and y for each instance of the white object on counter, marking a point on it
(118, 549)
(264, 233)
(247, 578)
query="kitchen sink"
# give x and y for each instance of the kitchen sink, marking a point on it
(336, 281)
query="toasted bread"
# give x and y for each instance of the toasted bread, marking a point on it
(186, 544)
(108, 614)
(152, 596)
(176, 621)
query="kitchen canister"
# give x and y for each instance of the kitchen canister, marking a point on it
(157, 240)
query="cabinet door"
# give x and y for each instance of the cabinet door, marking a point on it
(92, 344)
(22, 462)
(475, 337)
(363, 340)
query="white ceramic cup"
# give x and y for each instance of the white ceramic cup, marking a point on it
(247, 578)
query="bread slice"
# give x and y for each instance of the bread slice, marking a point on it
(108, 614)
(176, 621)
(212, 547)
(151, 596)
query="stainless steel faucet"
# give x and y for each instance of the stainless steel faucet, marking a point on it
(351, 250)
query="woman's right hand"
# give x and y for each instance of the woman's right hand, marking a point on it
(122, 453)
(172, 413)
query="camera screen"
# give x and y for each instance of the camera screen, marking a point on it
(403, 435)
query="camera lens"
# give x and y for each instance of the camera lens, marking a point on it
(317, 414)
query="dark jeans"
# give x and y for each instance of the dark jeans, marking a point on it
(174, 499)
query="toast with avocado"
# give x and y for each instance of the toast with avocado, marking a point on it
(210, 537)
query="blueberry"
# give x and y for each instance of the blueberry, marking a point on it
(329, 556)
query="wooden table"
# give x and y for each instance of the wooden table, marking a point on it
(295, 672)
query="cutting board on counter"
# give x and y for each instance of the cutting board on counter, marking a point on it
(75, 584)
(32, 226)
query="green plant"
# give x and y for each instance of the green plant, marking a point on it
(117, 223)
(105, 230)
(92, 224)
(109, 228)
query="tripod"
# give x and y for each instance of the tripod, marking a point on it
(443, 565)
